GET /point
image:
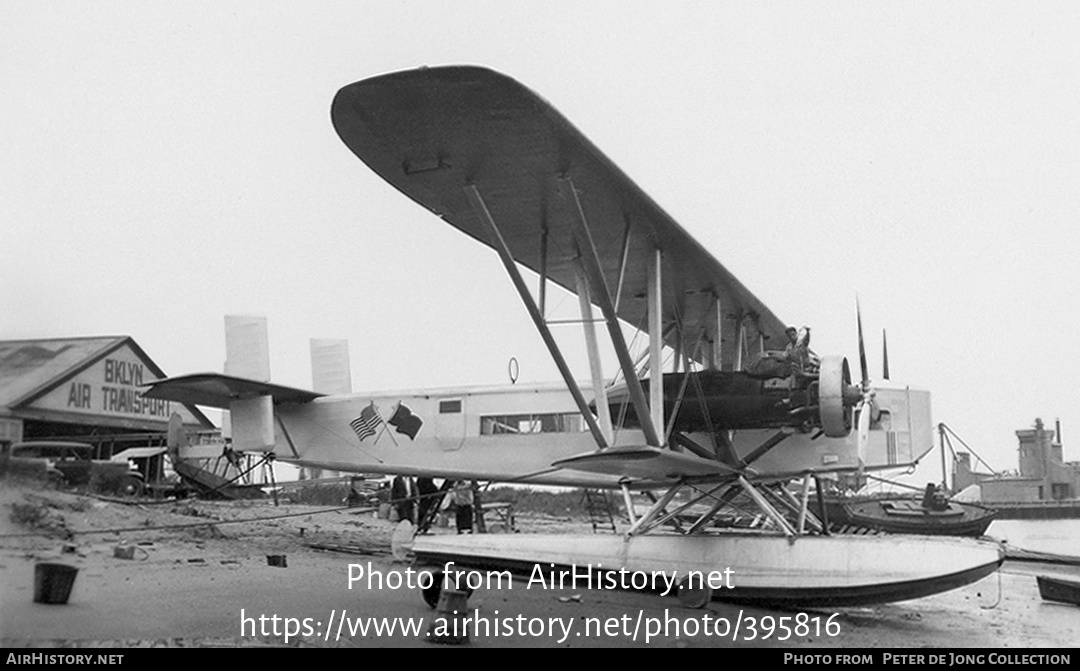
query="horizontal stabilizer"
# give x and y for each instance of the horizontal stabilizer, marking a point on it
(215, 390)
(646, 463)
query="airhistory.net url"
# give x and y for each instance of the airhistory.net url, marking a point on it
(560, 629)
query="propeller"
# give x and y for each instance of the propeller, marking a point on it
(884, 356)
(867, 402)
(862, 347)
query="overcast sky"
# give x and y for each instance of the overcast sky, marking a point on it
(165, 164)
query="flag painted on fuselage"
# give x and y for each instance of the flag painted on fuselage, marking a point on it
(405, 422)
(367, 422)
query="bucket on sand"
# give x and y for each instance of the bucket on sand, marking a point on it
(53, 582)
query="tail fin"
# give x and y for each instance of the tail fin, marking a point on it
(247, 347)
(330, 372)
(247, 355)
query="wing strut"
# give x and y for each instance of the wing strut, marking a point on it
(656, 509)
(622, 264)
(288, 438)
(599, 390)
(767, 507)
(716, 353)
(740, 344)
(603, 298)
(497, 241)
(658, 516)
(656, 340)
(721, 501)
(543, 269)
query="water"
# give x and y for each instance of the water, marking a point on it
(1055, 536)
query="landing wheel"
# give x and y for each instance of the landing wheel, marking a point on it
(431, 594)
(694, 593)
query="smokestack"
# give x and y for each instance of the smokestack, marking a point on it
(1057, 430)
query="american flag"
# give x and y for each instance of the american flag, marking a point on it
(367, 422)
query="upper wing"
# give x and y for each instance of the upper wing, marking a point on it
(218, 391)
(431, 132)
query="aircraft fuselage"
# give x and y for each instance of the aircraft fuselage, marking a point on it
(515, 432)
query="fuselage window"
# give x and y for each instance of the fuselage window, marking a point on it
(884, 422)
(561, 422)
(448, 407)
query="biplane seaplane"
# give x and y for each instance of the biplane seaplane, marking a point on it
(735, 416)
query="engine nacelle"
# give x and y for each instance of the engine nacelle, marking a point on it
(836, 396)
(738, 400)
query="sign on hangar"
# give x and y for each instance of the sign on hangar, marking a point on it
(82, 386)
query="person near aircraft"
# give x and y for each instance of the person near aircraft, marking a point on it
(463, 506)
(354, 498)
(795, 359)
(384, 495)
(934, 498)
(797, 352)
(401, 498)
(426, 490)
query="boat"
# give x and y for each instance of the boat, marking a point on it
(907, 515)
(1059, 589)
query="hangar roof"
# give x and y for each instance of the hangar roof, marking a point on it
(34, 374)
(29, 366)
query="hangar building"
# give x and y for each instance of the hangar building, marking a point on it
(85, 389)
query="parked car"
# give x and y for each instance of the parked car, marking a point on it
(73, 464)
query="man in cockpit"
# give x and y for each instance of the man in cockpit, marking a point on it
(797, 352)
(794, 361)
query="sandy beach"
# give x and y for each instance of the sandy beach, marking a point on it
(192, 584)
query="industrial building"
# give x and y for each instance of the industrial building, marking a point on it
(1044, 475)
